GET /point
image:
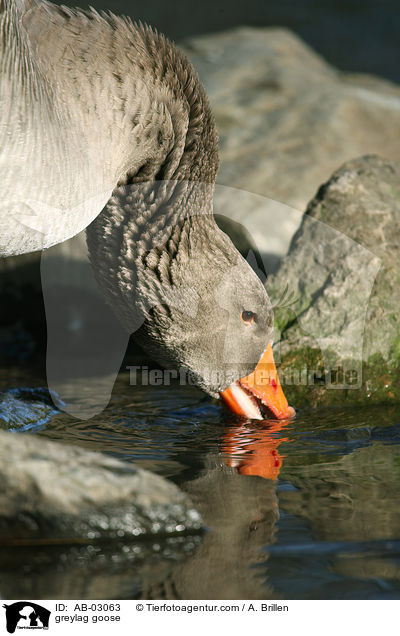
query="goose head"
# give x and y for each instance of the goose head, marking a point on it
(179, 285)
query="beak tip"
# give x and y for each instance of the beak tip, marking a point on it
(291, 412)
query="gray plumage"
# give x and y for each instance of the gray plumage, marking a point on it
(85, 100)
(97, 109)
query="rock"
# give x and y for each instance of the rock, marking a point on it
(54, 493)
(286, 118)
(25, 409)
(343, 267)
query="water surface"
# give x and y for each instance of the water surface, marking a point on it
(305, 509)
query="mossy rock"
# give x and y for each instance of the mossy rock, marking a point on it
(343, 272)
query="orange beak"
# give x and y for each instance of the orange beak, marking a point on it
(262, 386)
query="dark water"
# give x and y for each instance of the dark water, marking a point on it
(306, 509)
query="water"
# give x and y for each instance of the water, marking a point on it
(306, 509)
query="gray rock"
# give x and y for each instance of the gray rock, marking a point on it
(343, 269)
(287, 118)
(25, 409)
(53, 493)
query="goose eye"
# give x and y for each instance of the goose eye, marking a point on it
(248, 317)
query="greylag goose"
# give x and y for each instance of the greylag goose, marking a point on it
(105, 125)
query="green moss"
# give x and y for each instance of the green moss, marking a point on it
(395, 351)
(282, 319)
(308, 380)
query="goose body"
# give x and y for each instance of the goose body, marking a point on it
(85, 100)
(104, 124)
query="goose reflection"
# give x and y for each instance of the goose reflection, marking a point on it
(251, 448)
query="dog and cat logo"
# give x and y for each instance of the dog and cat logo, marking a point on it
(26, 615)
